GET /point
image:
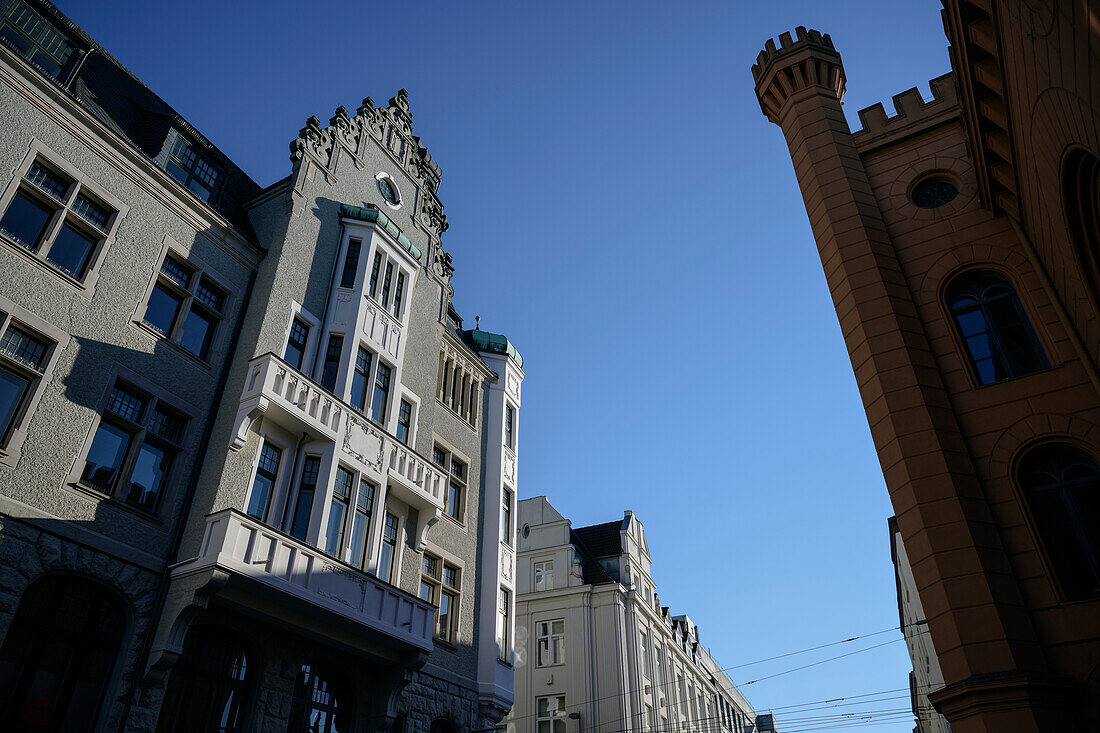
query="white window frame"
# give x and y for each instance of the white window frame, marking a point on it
(549, 637)
(386, 257)
(545, 574)
(278, 488)
(556, 706)
(505, 605)
(80, 182)
(464, 483)
(413, 400)
(297, 311)
(11, 448)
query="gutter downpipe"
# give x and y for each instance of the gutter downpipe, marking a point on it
(189, 495)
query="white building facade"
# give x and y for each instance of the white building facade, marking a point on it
(595, 650)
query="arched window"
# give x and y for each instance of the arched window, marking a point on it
(1081, 198)
(58, 655)
(208, 688)
(321, 703)
(1062, 485)
(991, 321)
(439, 725)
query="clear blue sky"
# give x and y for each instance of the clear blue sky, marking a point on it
(619, 208)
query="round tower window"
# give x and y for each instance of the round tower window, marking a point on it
(933, 193)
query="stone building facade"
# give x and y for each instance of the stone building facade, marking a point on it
(596, 650)
(254, 473)
(959, 238)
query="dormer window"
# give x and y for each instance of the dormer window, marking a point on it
(35, 39)
(191, 169)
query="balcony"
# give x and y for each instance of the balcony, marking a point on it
(289, 398)
(279, 392)
(245, 563)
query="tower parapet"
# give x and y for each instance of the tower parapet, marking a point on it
(911, 112)
(795, 66)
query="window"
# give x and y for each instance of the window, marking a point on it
(185, 305)
(35, 39)
(191, 169)
(359, 378)
(57, 219)
(381, 399)
(1062, 487)
(459, 383)
(991, 321)
(551, 643)
(550, 714)
(389, 548)
(360, 522)
(439, 586)
(296, 343)
(398, 294)
(209, 685)
(932, 193)
(509, 427)
(23, 358)
(404, 422)
(503, 602)
(338, 511)
(455, 495)
(506, 517)
(374, 270)
(58, 655)
(351, 264)
(133, 448)
(544, 575)
(332, 362)
(320, 704)
(267, 470)
(307, 489)
(643, 657)
(386, 281)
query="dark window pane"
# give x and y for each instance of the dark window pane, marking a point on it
(381, 393)
(266, 471)
(91, 212)
(398, 293)
(176, 272)
(147, 478)
(12, 389)
(166, 425)
(404, 422)
(197, 332)
(125, 404)
(374, 273)
(332, 362)
(210, 294)
(998, 337)
(161, 311)
(48, 181)
(359, 378)
(105, 457)
(351, 264)
(296, 344)
(23, 347)
(25, 220)
(70, 251)
(306, 492)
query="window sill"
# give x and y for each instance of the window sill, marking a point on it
(503, 663)
(150, 331)
(110, 501)
(444, 644)
(19, 248)
(457, 522)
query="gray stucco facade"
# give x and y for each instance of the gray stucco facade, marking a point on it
(239, 424)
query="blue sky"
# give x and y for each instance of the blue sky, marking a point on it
(619, 208)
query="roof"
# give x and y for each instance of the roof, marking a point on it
(593, 572)
(121, 102)
(495, 343)
(603, 540)
(373, 215)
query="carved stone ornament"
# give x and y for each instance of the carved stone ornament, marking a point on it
(364, 443)
(510, 467)
(506, 565)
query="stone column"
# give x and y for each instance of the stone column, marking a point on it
(992, 664)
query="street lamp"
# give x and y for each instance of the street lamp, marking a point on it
(577, 717)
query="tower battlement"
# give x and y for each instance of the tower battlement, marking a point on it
(806, 39)
(909, 107)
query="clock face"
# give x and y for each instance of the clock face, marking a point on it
(388, 190)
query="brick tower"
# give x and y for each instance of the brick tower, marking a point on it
(995, 663)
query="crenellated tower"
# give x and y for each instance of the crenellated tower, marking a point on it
(989, 653)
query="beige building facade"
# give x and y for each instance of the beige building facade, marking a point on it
(596, 650)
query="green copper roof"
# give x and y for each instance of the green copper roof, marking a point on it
(496, 343)
(374, 216)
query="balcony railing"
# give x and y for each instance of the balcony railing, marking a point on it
(288, 397)
(249, 550)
